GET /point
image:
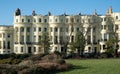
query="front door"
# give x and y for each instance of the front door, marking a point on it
(29, 50)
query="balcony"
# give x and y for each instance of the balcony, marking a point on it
(91, 43)
(28, 43)
(16, 42)
(103, 40)
(22, 43)
(104, 31)
(36, 43)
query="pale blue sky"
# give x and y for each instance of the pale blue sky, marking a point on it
(56, 7)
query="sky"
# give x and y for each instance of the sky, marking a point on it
(56, 7)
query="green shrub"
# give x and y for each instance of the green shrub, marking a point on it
(59, 61)
(106, 55)
(10, 61)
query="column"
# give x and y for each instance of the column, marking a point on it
(70, 33)
(19, 35)
(101, 48)
(37, 34)
(102, 36)
(58, 35)
(91, 39)
(107, 37)
(86, 38)
(25, 35)
(53, 35)
(25, 40)
(92, 35)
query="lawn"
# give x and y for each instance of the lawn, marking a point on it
(94, 66)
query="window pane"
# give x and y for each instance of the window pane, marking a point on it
(28, 29)
(72, 29)
(77, 20)
(39, 38)
(16, 20)
(34, 29)
(8, 35)
(45, 20)
(28, 38)
(34, 49)
(40, 20)
(45, 29)
(21, 49)
(28, 20)
(56, 20)
(72, 20)
(67, 20)
(22, 20)
(39, 29)
(66, 29)
(34, 20)
(16, 49)
(22, 29)
(116, 17)
(51, 29)
(77, 29)
(61, 29)
(56, 29)
(34, 38)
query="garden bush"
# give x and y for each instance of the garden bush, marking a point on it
(10, 61)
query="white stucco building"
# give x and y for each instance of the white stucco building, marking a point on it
(6, 39)
(27, 31)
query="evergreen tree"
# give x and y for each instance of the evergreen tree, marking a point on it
(45, 42)
(79, 43)
(110, 45)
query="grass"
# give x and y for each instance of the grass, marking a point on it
(94, 66)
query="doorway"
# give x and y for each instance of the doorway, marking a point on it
(29, 50)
